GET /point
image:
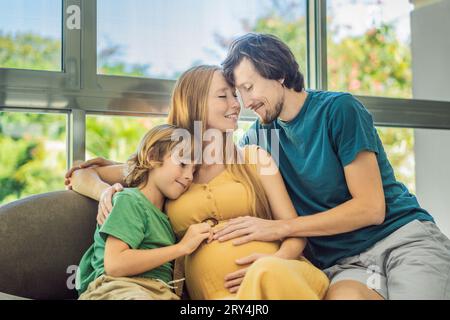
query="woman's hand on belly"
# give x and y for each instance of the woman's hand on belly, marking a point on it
(233, 280)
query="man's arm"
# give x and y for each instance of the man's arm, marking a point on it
(366, 208)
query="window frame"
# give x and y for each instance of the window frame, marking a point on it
(65, 79)
(388, 112)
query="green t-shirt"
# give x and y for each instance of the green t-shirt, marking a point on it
(135, 221)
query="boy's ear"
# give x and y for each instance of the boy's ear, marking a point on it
(151, 155)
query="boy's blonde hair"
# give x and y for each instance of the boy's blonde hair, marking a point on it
(190, 103)
(152, 149)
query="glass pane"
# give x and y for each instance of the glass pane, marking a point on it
(369, 47)
(32, 154)
(161, 39)
(116, 137)
(399, 146)
(30, 34)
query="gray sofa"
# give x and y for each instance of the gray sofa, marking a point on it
(42, 239)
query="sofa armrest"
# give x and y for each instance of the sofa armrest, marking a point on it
(43, 238)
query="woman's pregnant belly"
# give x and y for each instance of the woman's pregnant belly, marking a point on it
(206, 268)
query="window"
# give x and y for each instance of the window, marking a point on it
(369, 51)
(32, 154)
(30, 34)
(398, 144)
(116, 137)
(161, 39)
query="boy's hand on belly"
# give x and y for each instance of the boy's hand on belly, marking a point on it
(233, 280)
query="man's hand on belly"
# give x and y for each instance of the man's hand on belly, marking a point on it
(252, 229)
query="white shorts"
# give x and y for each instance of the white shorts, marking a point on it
(411, 263)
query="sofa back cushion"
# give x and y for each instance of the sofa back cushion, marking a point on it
(42, 239)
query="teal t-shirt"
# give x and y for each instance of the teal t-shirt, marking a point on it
(314, 147)
(138, 223)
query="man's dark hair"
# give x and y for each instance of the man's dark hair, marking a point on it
(271, 57)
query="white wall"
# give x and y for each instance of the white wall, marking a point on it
(430, 31)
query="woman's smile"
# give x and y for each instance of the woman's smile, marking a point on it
(233, 116)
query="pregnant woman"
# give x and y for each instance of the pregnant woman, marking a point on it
(222, 191)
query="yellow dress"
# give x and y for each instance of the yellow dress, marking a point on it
(224, 198)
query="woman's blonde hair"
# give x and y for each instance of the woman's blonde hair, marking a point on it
(152, 149)
(190, 103)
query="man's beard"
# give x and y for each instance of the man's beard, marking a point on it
(273, 114)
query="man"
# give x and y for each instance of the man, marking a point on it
(364, 228)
